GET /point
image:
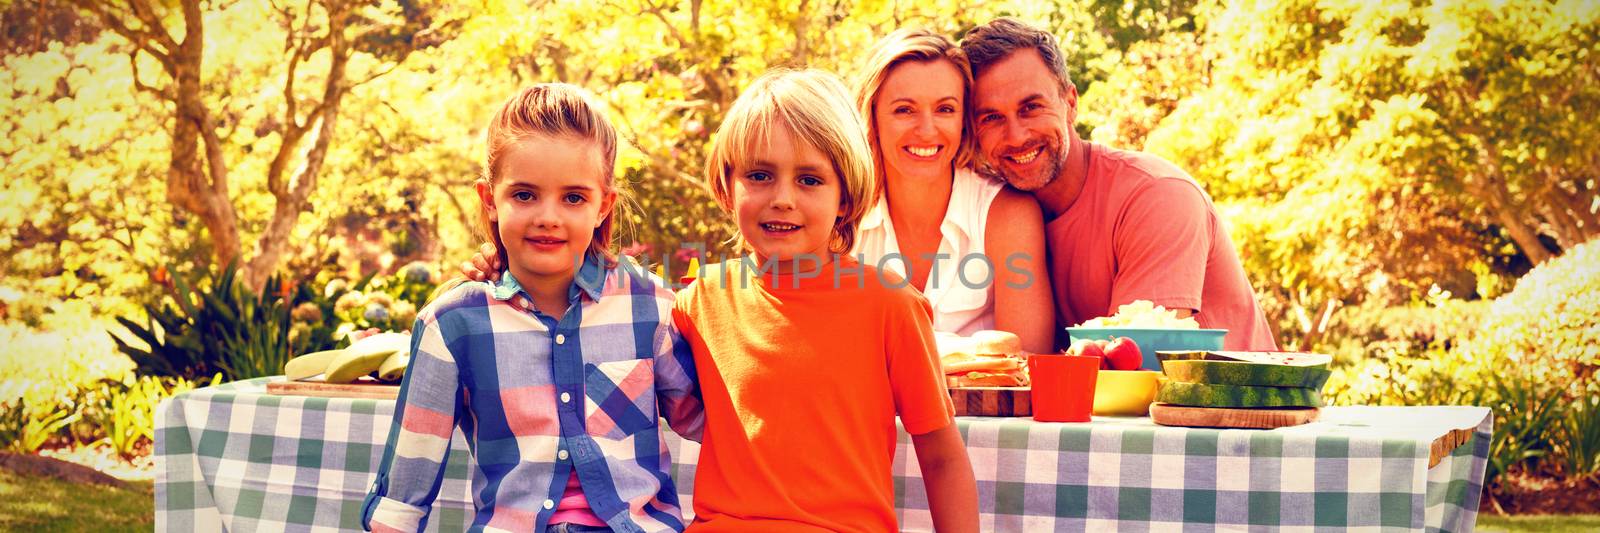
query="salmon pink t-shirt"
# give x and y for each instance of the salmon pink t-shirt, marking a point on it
(1142, 229)
(802, 379)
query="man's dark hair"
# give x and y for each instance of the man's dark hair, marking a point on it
(992, 42)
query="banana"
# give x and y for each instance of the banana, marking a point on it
(365, 356)
(394, 367)
(310, 364)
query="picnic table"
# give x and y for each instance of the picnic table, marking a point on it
(232, 457)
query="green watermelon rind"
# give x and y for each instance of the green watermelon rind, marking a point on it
(1242, 373)
(1321, 360)
(1236, 396)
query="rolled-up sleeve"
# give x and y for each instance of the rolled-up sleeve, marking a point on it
(425, 418)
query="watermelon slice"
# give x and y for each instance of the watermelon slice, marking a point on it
(1266, 358)
(1243, 373)
(1204, 395)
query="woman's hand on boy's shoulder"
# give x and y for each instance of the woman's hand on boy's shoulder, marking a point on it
(484, 266)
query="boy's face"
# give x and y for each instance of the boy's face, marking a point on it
(547, 203)
(786, 201)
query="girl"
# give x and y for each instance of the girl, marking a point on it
(806, 355)
(557, 373)
(934, 215)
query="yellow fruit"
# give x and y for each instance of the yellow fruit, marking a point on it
(349, 366)
(310, 364)
(394, 368)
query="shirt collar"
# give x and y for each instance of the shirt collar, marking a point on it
(876, 215)
(591, 281)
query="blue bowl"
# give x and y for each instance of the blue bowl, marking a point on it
(1151, 340)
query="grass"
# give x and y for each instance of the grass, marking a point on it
(32, 503)
(1541, 523)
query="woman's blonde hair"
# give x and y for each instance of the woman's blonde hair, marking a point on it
(902, 46)
(815, 106)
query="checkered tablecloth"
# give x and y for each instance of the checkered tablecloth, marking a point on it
(232, 457)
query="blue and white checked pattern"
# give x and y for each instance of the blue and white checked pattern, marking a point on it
(537, 398)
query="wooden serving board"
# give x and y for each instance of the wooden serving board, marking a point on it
(1214, 417)
(363, 388)
(993, 401)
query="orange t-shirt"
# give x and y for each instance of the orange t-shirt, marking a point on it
(802, 379)
(1144, 230)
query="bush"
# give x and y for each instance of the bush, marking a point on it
(223, 327)
(48, 369)
(1529, 355)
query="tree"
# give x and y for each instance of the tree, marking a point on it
(1410, 131)
(322, 33)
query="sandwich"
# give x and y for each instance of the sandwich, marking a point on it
(986, 359)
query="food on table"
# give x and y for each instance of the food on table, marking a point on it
(394, 368)
(1205, 395)
(1254, 380)
(1246, 373)
(1091, 348)
(1142, 314)
(1270, 358)
(367, 356)
(1123, 354)
(310, 365)
(986, 359)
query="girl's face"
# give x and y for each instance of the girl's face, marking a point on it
(919, 117)
(547, 202)
(786, 202)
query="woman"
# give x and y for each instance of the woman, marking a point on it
(937, 220)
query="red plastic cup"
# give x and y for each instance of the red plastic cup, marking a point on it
(1063, 386)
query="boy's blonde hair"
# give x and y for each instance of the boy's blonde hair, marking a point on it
(903, 46)
(553, 110)
(815, 106)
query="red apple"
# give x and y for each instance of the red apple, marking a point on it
(1123, 354)
(1088, 348)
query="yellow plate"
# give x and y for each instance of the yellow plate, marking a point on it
(1125, 392)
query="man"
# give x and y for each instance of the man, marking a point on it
(1120, 225)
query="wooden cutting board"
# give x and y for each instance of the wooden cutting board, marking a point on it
(1214, 417)
(363, 388)
(993, 401)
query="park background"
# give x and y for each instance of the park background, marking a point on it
(196, 190)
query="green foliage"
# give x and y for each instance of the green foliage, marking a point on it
(388, 303)
(1580, 439)
(1528, 356)
(1413, 131)
(125, 412)
(26, 430)
(222, 327)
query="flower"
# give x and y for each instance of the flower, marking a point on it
(404, 313)
(417, 272)
(348, 301)
(376, 313)
(306, 312)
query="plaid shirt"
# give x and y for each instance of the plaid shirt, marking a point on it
(536, 398)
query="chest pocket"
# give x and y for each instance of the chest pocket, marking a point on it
(620, 398)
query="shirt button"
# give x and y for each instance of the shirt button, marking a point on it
(549, 504)
(562, 455)
(561, 339)
(566, 398)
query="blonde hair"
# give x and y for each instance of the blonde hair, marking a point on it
(903, 46)
(550, 110)
(815, 106)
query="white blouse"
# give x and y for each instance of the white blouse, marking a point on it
(961, 283)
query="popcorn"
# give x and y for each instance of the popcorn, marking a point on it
(1143, 314)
